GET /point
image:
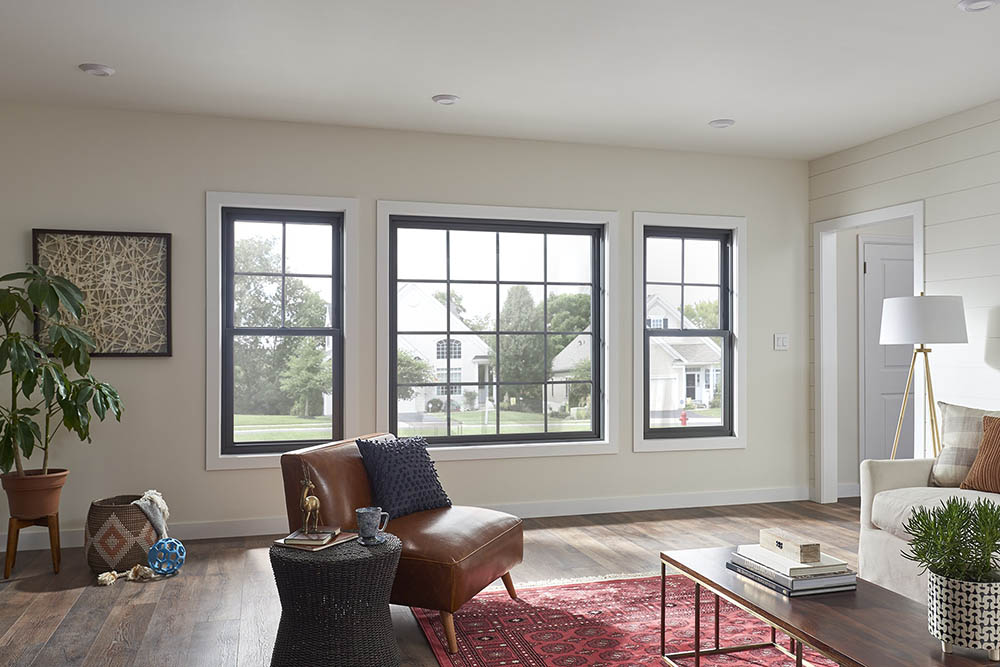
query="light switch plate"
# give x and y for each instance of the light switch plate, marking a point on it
(781, 342)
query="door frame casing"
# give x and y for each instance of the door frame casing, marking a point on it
(863, 239)
(824, 485)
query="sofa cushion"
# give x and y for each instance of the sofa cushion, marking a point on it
(452, 553)
(961, 433)
(402, 476)
(985, 472)
(892, 508)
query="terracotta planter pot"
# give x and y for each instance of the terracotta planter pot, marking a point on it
(35, 495)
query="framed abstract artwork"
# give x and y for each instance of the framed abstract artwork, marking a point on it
(125, 279)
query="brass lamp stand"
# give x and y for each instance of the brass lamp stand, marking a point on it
(931, 404)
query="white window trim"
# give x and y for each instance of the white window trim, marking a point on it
(738, 225)
(214, 203)
(610, 280)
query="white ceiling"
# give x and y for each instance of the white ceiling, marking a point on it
(802, 78)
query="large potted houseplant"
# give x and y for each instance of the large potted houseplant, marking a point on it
(957, 542)
(50, 385)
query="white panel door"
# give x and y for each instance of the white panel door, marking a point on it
(888, 272)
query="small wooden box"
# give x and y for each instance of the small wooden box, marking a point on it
(791, 546)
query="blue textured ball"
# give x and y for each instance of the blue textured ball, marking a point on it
(167, 556)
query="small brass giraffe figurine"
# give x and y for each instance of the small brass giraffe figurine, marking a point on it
(310, 507)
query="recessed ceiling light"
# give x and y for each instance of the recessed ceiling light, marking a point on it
(97, 69)
(722, 123)
(446, 99)
(975, 5)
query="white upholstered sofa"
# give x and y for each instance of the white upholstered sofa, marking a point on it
(889, 492)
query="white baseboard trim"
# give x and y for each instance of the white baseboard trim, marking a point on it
(38, 538)
(848, 490)
(546, 508)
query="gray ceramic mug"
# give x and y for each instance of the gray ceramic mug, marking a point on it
(371, 522)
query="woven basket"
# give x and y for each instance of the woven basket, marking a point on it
(118, 534)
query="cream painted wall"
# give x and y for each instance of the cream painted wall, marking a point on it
(848, 462)
(67, 168)
(953, 164)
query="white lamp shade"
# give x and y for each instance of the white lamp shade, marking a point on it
(913, 320)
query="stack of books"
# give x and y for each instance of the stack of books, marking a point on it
(320, 539)
(777, 563)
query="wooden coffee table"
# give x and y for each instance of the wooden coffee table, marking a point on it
(869, 627)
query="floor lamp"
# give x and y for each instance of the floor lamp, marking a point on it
(919, 320)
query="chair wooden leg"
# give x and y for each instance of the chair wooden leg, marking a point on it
(13, 526)
(449, 631)
(509, 583)
(53, 522)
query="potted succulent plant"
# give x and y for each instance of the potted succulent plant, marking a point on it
(50, 386)
(957, 544)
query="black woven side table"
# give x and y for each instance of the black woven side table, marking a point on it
(335, 605)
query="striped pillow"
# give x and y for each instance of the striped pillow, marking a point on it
(961, 433)
(985, 472)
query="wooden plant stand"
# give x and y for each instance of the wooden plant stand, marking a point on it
(14, 527)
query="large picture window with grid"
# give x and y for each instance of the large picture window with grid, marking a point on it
(494, 330)
(282, 347)
(688, 336)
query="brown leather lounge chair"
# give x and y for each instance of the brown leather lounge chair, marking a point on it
(449, 554)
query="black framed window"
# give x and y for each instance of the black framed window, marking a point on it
(282, 334)
(495, 330)
(688, 335)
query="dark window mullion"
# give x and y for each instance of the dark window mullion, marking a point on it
(447, 350)
(545, 336)
(284, 242)
(496, 371)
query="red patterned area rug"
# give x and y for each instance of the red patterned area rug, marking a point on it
(595, 624)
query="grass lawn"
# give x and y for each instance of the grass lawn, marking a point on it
(708, 412)
(471, 423)
(272, 420)
(278, 428)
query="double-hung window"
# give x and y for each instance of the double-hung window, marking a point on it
(688, 334)
(282, 333)
(495, 330)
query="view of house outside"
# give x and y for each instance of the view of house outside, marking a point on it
(509, 313)
(685, 373)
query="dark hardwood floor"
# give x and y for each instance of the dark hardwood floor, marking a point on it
(223, 608)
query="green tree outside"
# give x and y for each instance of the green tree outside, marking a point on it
(704, 314)
(411, 370)
(258, 362)
(305, 379)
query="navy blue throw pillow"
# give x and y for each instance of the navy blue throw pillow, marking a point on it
(402, 476)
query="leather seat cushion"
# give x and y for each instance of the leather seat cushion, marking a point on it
(892, 508)
(452, 553)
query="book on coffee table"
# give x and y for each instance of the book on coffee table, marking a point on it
(785, 590)
(790, 568)
(797, 583)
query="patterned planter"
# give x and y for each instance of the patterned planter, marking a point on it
(964, 613)
(118, 534)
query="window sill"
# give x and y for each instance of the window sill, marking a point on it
(521, 450)
(218, 461)
(689, 444)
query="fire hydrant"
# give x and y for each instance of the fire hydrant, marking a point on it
(684, 417)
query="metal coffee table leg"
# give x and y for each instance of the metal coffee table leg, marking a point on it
(794, 649)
